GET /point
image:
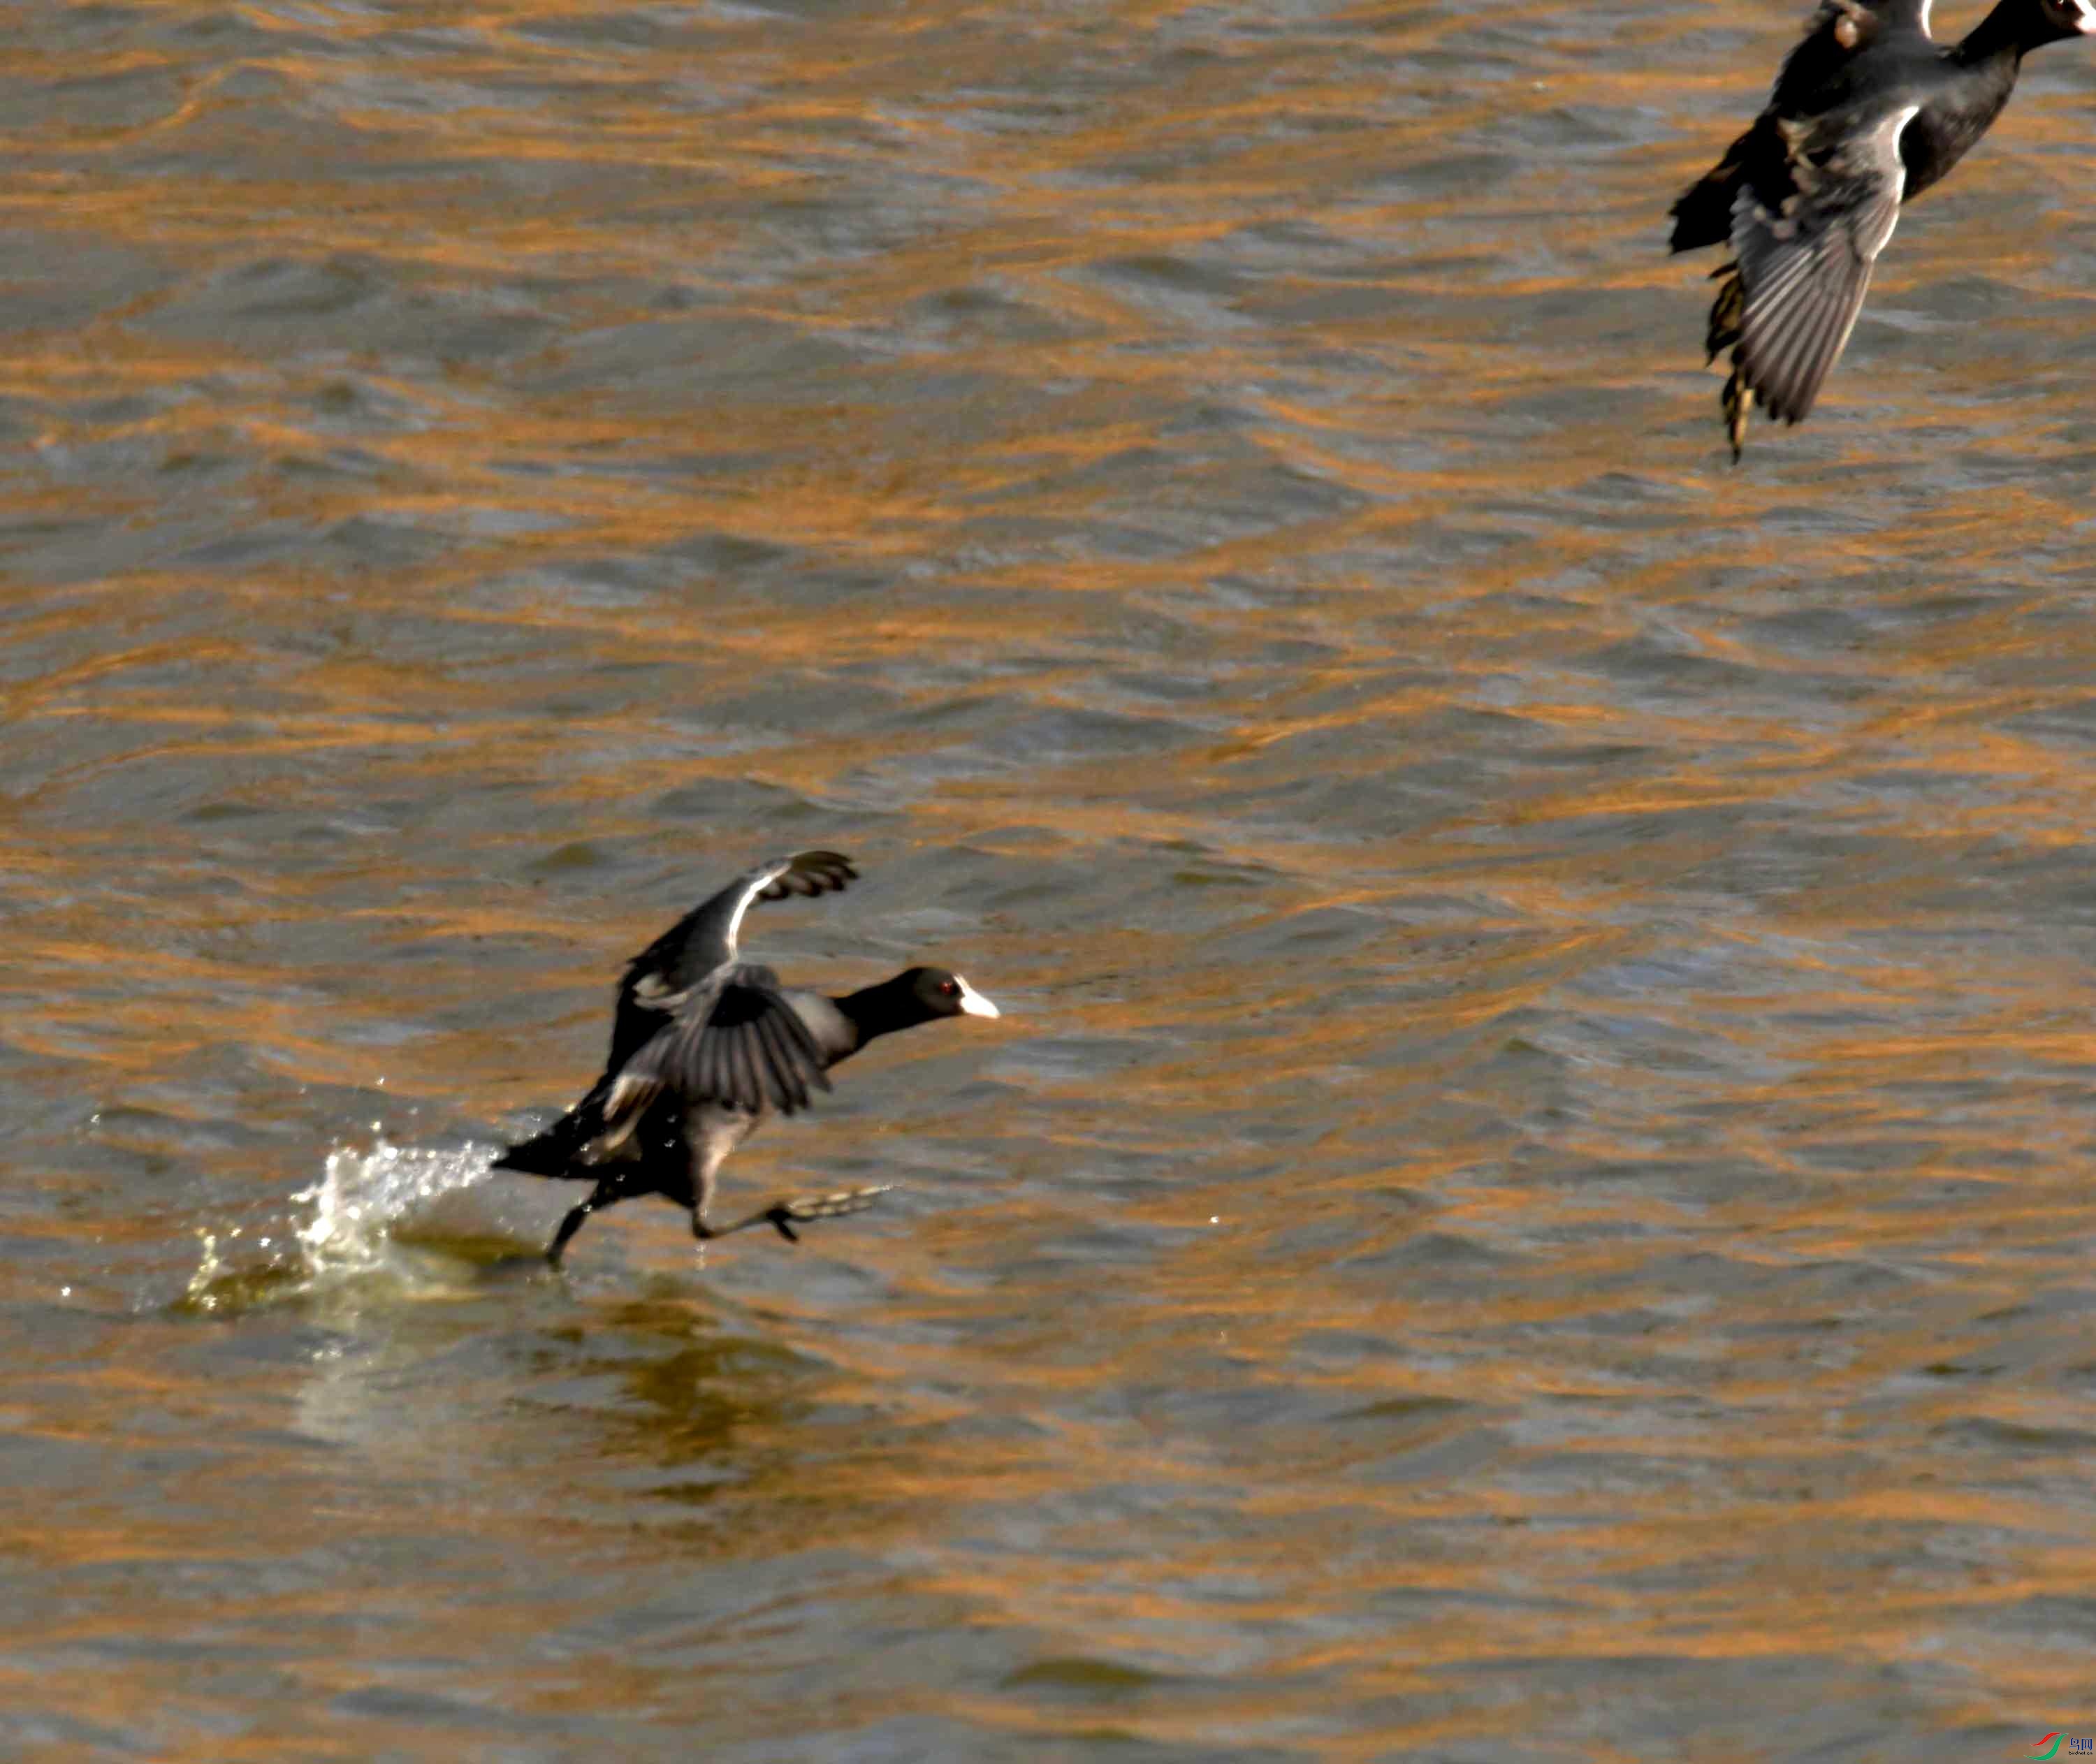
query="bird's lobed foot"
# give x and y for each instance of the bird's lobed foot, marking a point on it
(789, 1213)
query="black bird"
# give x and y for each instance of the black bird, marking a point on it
(1866, 113)
(703, 1047)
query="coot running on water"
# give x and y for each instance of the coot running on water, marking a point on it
(1866, 113)
(703, 1047)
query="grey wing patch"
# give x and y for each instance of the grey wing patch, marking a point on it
(662, 981)
(738, 1044)
(1804, 266)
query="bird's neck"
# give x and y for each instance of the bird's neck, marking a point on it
(1997, 44)
(1986, 62)
(881, 1010)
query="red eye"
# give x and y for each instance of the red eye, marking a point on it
(950, 989)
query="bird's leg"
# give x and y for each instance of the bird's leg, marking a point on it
(783, 1214)
(573, 1224)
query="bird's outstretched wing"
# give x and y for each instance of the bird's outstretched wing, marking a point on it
(736, 1043)
(653, 993)
(1804, 254)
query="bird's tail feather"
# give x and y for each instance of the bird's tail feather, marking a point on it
(556, 1152)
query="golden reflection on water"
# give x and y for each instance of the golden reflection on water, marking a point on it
(1532, 1192)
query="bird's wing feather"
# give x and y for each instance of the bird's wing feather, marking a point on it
(736, 1043)
(1805, 255)
(658, 982)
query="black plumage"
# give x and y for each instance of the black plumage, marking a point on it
(704, 1045)
(1867, 111)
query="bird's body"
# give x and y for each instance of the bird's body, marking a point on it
(1867, 113)
(704, 1045)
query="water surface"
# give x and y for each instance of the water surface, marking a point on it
(1530, 1198)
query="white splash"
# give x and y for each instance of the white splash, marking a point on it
(385, 1211)
(362, 1195)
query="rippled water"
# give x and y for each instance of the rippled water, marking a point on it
(1530, 1199)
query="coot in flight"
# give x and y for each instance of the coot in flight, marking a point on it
(1867, 113)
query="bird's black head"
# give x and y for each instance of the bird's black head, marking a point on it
(916, 995)
(2071, 18)
(944, 994)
